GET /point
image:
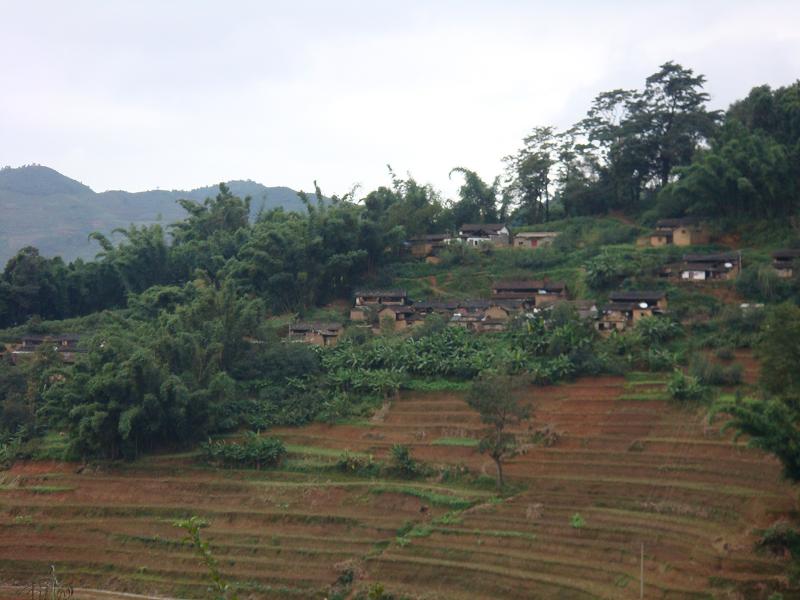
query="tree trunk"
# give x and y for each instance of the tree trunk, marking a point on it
(501, 483)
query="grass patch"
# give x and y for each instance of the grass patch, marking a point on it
(433, 498)
(456, 441)
(37, 489)
(435, 385)
(318, 451)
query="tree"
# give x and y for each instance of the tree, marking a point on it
(773, 422)
(528, 174)
(494, 398)
(477, 200)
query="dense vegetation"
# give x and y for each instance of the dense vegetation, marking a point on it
(183, 335)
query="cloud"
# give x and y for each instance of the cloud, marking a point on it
(137, 95)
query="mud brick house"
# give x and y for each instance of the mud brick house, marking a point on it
(711, 267)
(320, 334)
(531, 292)
(625, 309)
(783, 261)
(534, 239)
(486, 233)
(686, 231)
(469, 313)
(429, 245)
(443, 308)
(401, 317)
(66, 345)
(369, 302)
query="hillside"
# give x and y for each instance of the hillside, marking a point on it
(638, 471)
(41, 207)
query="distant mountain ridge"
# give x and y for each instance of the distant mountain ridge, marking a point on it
(41, 207)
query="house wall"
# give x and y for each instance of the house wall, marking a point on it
(545, 299)
(784, 272)
(496, 313)
(657, 240)
(688, 236)
(358, 314)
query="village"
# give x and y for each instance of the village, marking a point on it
(393, 311)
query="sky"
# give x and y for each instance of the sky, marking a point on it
(173, 94)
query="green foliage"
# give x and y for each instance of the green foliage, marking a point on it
(779, 351)
(707, 372)
(221, 589)
(253, 452)
(576, 521)
(751, 168)
(402, 463)
(685, 387)
(495, 399)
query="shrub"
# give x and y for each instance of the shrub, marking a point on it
(357, 465)
(254, 452)
(683, 387)
(577, 521)
(402, 463)
(710, 373)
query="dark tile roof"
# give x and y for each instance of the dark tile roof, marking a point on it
(712, 258)
(405, 309)
(533, 285)
(679, 222)
(52, 337)
(368, 292)
(619, 306)
(430, 237)
(303, 327)
(636, 295)
(789, 253)
(467, 227)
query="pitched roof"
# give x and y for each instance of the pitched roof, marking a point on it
(536, 234)
(636, 295)
(679, 221)
(619, 306)
(430, 237)
(528, 284)
(712, 258)
(787, 253)
(302, 327)
(467, 227)
(51, 337)
(405, 309)
(367, 292)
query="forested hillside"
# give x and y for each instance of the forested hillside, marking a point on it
(183, 346)
(56, 214)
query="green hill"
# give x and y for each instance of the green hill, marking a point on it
(43, 208)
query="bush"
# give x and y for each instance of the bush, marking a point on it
(254, 452)
(402, 463)
(710, 373)
(683, 387)
(357, 465)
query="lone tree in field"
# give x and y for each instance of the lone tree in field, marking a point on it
(495, 399)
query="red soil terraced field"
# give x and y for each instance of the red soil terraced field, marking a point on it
(636, 468)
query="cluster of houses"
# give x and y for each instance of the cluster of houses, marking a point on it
(381, 309)
(477, 234)
(684, 231)
(393, 309)
(66, 345)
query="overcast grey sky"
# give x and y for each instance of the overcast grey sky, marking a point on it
(177, 94)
